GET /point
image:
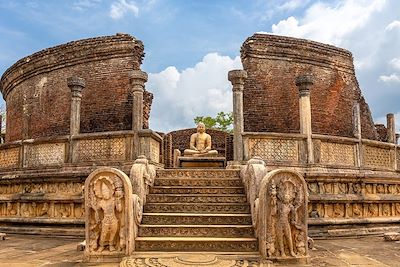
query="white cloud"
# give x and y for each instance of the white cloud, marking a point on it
(121, 8)
(367, 28)
(329, 24)
(393, 25)
(180, 96)
(395, 63)
(389, 79)
(293, 4)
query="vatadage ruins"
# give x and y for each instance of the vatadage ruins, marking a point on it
(305, 161)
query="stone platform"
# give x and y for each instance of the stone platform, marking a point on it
(33, 250)
(201, 162)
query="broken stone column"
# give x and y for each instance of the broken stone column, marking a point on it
(76, 86)
(237, 78)
(304, 83)
(138, 78)
(391, 129)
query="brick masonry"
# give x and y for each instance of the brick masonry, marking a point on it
(271, 97)
(38, 98)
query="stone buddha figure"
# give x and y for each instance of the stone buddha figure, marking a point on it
(200, 143)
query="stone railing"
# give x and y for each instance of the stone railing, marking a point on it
(79, 149)
(328, 151)
(113, 210)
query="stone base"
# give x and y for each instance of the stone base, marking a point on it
(391, 236)
(201, 162)
(194, 260)
(3, 236)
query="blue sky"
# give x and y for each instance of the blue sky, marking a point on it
(191, 45)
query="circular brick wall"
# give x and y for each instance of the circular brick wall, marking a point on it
(271, 96)
(38, 98)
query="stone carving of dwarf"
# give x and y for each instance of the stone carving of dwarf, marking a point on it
(200, 143)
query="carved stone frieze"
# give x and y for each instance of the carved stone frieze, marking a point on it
(199, 208)
(355, 210)
(197, 174)
(164, 198)
(197, 231)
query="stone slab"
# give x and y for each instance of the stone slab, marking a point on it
(201, 162)
(391, 236)
(3, 236)
(31, 250)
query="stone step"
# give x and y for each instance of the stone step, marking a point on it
(198, 173)
(179, 244)
(196, 190)
(195, 219)
(185, 182)
(197, 207)
(196, 230)
(184, 198)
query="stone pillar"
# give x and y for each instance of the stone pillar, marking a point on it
(237, 78)
(357, 120)
(304, 83)
(391, 129)
(76, 86)
(137, 79)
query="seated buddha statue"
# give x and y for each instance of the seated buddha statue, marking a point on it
(200, 143)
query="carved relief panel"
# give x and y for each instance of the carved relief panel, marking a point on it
(282, 224)
(108, 213)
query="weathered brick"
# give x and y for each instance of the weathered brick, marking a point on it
(38, 98)
(271, 96)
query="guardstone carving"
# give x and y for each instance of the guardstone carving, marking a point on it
(282, 216)
(109, 210)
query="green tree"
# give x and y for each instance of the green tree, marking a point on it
(223, 121)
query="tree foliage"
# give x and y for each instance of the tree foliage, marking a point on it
(223, 121)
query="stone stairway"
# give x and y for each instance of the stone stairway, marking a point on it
(197, 210)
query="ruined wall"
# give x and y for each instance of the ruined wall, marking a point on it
(221, 141)
(38, 98)
(271, 96)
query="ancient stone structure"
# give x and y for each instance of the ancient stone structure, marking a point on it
(306, 157)
(36, 84)
(323, 130)
(70, 109)
(270, 102)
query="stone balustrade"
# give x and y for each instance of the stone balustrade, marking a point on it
(79, 149)
(328, 151)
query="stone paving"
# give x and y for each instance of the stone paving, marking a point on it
(21, 251)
